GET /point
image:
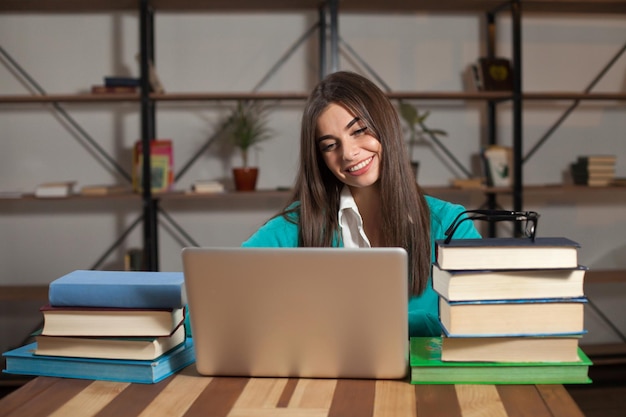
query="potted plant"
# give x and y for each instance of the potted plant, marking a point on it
(418, 131)
(245, 127)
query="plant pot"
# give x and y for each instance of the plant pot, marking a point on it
(245, 178)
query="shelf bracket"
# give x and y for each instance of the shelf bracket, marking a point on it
(65, 115)
(573, 106)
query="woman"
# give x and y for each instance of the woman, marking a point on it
(355, 188)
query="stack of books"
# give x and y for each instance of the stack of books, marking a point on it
(511, 310)
(110, 325)
(594, 170)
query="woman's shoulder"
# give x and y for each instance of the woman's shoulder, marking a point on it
(442, 214)
(443, 209)
(279, 231)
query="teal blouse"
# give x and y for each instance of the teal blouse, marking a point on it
(424, 308)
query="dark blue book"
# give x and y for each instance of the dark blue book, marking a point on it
(113, 81)
(24, 361)
(119, 289)
(507, 253)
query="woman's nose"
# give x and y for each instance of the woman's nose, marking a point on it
(350, 150)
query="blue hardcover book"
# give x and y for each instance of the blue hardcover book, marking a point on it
(119, 289)
(507, 253)
(23, 361)
(531, 317)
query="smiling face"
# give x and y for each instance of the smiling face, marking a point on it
(348, 148)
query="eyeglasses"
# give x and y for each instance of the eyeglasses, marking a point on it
(529, 218)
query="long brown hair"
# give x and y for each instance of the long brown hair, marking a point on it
(406, 216)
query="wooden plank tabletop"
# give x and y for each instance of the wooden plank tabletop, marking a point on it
(189, 394)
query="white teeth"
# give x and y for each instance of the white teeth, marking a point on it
(360, 165)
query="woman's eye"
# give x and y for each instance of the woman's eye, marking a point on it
(327, 147)
(359, 131)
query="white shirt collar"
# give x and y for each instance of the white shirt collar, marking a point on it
(351, 222)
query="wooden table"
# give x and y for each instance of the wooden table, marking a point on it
(188, 394)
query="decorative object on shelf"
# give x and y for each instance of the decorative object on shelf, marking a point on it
(498, 161)
(162, 165)
(418, 131)
(245, 127)
(494, 74)
(153, 77)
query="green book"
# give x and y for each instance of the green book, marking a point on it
(428, 368)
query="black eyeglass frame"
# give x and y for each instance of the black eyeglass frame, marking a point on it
(531, 217)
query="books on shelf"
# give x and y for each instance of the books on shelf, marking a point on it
(136, 348)
(119, 289)
(101, 189)
(466, 285)
(495, 74)
(512, 317)
(510, 349)
(101, 321)
(161, 165)
(594, 170)
(24, 361)
(207, 187)
(121, 81)
(427, 367)
(118, 89)
(56, 189)
(507, 253)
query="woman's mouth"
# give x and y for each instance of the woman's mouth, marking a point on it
(360, 165)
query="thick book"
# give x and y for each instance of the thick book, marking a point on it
(507, 253)
(24, 361)
(135, 348)
(428, 368)
(510, 349)
(119, 289)
(460, 285)
(512, 317)
(114, 322)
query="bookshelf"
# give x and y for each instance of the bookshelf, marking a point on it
(145, 12)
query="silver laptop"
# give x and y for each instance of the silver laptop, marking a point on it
(298, 312)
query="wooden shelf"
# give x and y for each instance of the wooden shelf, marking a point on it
(350, 6)
(68, 98)
(301, 96)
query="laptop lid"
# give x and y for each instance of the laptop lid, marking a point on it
(299, 312)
